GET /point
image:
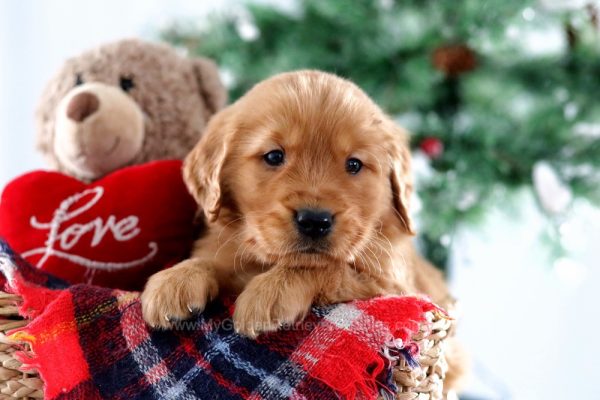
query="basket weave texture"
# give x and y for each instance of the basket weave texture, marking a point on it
(422, 383)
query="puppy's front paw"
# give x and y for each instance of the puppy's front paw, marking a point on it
(265, 307)
(176, 293)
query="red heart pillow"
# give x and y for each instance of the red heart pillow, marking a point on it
(114, 232)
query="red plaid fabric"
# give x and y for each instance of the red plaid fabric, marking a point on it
(92, 343)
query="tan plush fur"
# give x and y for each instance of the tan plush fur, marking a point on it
(251, 245)
(162, 116)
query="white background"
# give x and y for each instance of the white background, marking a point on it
(530, 325)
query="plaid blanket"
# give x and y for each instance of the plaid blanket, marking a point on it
(92, 343)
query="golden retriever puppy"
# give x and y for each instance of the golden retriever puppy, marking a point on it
(305, 185)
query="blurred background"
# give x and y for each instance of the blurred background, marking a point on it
(502, 99)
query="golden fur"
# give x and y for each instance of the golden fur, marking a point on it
(251, 244)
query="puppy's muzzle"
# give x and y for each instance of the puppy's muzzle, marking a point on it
(313, 223)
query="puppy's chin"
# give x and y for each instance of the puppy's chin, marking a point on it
(303, 258)
(311, 260)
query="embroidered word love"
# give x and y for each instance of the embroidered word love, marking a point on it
(62, 237)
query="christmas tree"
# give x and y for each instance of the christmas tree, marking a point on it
(498, 95)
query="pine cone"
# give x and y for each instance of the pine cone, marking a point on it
(454, 60)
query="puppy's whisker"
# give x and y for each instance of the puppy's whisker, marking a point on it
(285, 249)
(278, 253)
(401, 217)
(379, 239)
(252, 249)
(242, 247)
(368, 264)
(360, 251)
(362, 239)
(380, 270)
(235, 236)
(383, 253)
(391, 247)
(242, 264)
(370, 240)
(380, 229)
(376, 259)
(362, 259)
(224, 228)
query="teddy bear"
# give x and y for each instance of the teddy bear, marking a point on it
(125, 103)
(114, 124)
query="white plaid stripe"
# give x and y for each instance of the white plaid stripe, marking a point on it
(268, 388)
(147, 357)
(221, 346)
(343, 317)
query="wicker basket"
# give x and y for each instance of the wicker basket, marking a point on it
(424, 383)
(14, 383)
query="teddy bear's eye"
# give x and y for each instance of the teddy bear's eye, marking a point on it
(126, 83)
(78, 79)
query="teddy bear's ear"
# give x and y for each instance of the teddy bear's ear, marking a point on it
(211, 89)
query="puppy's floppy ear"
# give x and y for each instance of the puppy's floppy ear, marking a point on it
(400, 176)
(202, 168)
(210, 86)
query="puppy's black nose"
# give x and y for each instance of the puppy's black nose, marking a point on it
(314, 223)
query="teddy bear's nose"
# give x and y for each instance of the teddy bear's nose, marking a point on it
(82, 105)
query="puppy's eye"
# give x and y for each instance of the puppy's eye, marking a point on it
(274, 158)
(126, 83)
(78, 79)
(353, 165)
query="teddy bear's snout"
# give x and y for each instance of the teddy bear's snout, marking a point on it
(82, 105)
(99, 128)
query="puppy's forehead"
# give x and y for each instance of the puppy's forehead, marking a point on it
(311, 106)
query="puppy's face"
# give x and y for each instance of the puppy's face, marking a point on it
(309, 167)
